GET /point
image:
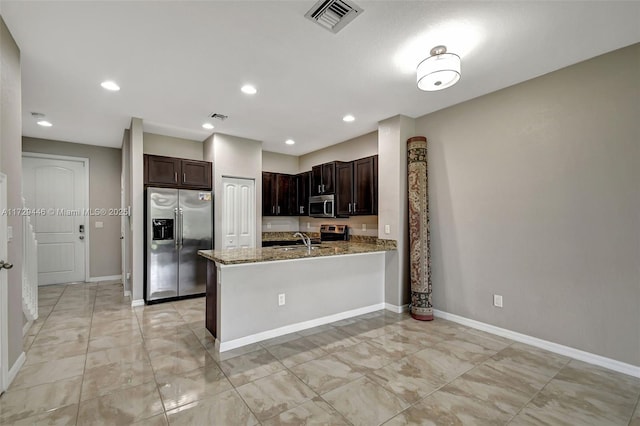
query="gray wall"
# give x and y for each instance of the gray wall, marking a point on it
(535, 195)
(11, 165)
(104, 192)
(171, 147)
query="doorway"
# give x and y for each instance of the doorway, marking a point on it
(56, 188)
(238, 213)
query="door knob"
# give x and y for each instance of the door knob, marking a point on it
(5, 265)
(81, 237)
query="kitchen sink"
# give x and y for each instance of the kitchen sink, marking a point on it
(297, 248)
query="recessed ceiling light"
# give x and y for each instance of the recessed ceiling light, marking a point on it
(249, 89)
(290, 142)
(207, 126)
(348, 118)
(110, 85)
(44, 123)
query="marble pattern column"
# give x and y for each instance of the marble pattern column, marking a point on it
(419, 255)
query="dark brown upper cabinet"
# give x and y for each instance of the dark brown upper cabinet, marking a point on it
(357, 187)
(278, 194)
(365, 186)
(323, 179)
(344, 189)
(303, 189)
(176, 172)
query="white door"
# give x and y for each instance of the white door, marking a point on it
(4, 329)
(239, 213)
(56, 189)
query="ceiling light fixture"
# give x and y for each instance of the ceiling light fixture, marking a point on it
(249, 89)
(110, 85)
(207, 126)
(348, 118)
(290, 142)
(438, 71)
(44, 123)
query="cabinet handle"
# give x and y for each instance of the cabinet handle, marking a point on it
(354, 207)
(278, 210)
(319, 189)
(184, 177)
(301, 209)
(273, 209)
(175, 177)
(349, 207)
(323, 187)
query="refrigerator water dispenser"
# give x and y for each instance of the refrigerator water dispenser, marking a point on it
(162, 229)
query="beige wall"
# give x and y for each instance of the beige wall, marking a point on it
(279, 163)
(104, 192)
(535, 195)
(172, 147)
(234, 157)
(352, 149)
(11, 165)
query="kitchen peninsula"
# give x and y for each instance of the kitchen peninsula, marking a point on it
(261, 293)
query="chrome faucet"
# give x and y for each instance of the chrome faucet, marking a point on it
(305, 239)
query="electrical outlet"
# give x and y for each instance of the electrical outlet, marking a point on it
(308, 225)
(99, 224)
(364, 226)
(281, 300)
(268, 225)
(497, 301)
(387, 229)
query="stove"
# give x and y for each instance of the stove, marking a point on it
(334, 232)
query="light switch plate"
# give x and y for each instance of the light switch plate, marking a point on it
(9, 233)
(387, 229)
(268, 225)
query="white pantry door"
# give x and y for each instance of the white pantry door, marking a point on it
(239, 213)
(4, 315)
(55, 186)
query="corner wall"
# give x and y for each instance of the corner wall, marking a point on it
(237, 157)
(534, 195)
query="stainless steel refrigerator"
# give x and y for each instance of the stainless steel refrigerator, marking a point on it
(179, 222)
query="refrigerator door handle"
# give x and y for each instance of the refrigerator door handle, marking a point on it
(175, 226)
(181, 225)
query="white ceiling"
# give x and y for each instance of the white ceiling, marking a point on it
(179, 61)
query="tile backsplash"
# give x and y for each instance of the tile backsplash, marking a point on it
(311, 224)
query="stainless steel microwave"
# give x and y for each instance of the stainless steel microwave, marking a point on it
(322, 206)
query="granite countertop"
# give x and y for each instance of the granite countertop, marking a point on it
(270, 254)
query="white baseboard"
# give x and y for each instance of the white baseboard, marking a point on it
(137, 302)
(26, 327)
(395, 308)
(611, 364)
(15, 368)
(270, 334)
(105, 278)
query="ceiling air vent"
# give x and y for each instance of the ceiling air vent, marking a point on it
(333, 15)
(220, 117)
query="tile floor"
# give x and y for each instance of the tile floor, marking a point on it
(91, 359)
